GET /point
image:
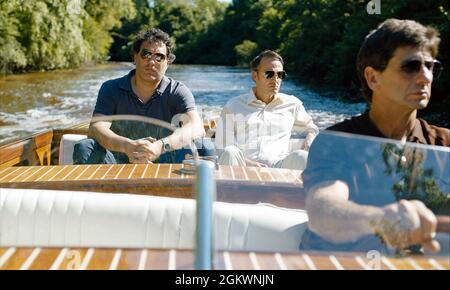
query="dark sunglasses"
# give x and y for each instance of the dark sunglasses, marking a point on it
(412, 67)
(147, 55)
(269, 74)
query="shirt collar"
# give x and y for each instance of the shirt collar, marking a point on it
(125, 83)
(252, 98)
(416, 134)
(163, 85)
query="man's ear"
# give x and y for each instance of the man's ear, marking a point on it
(254, 75)
(371, 76)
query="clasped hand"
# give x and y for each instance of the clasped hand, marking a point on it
(145, 150)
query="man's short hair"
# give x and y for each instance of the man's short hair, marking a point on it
(381, 43)
(254, 64)
(154, 35)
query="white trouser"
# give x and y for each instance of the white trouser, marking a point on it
(232, 155)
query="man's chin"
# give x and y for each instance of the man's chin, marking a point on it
(274, 91)
(152, 78)
(421, 105)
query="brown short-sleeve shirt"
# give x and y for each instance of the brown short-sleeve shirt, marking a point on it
(423, 133)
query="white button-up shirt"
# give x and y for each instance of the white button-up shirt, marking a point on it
(262, 131)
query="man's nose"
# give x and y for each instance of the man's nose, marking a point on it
(276, 78)
(425, 75)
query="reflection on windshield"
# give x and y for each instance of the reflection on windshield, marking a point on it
(413, 179)
(377, 173)
(380, 171)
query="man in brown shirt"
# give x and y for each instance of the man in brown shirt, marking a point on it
(396, 80)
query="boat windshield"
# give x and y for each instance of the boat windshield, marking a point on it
(342, 202)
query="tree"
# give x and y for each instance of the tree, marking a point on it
(51, 34)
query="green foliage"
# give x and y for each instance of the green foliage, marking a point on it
(51, 34)
(415, 181)
(102, 16)
(246, 51)
(11, 51)
(188, 22)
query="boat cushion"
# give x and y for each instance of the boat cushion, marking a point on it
(66, 147)
(46, 218)
(295, 144)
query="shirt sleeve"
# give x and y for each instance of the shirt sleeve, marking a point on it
(327, 162)
(182, 100)
(303, 121)
(105, 104)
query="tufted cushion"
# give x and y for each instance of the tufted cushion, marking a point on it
(48, 218)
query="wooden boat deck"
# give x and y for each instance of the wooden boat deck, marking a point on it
(151, 259)
(234, 183)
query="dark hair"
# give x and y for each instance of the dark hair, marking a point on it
(154, 35)
(381, 43)
(254, 64)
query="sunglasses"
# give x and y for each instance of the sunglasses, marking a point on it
(147, 55)
(412, 67)
(269, 74)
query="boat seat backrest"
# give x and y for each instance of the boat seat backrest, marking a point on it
(45, 218)
(66, 147)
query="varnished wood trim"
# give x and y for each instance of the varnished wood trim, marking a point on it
(27, 264)
(58, 261)
(388, 263)
(362, 263)
(254, 261)
(309, 262)
(32, 149)
(6, 256)
(53, 258)
(336, 263)
(435, 264)
(280, 261)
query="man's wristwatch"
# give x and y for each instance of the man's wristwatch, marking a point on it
(165, 146)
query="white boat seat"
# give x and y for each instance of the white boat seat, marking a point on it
(66, 147)
(46, 218)
(295, 144)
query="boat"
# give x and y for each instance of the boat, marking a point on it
(56, 215)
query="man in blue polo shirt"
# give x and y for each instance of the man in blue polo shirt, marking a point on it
(145, 91)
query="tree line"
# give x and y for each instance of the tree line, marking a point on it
(319, 39)
(53, 34)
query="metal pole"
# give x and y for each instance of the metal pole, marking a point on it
(206, 193)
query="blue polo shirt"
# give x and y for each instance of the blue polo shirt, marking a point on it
(117, 98)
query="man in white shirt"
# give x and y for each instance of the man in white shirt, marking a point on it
(255, 128)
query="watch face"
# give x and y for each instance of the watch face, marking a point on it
(166, 146)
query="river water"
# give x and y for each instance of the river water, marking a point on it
(37, 101)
